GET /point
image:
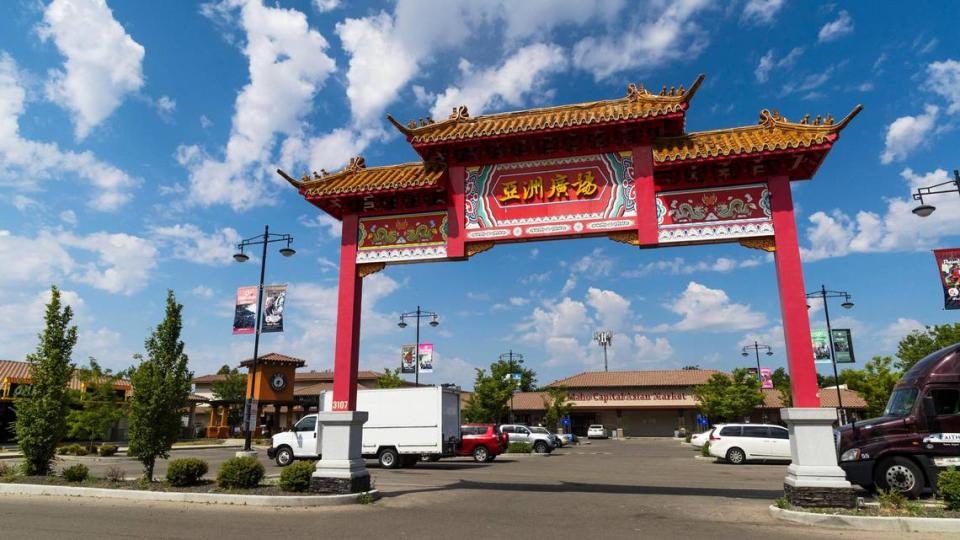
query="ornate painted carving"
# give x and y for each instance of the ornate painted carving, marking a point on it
(625, 237)
(554, 197)
(714, 214)
(478, 247)
(766, 243)
(405, 237)
(364, 270)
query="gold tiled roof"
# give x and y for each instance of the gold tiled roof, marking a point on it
(356, 178)
(672, 377)
(772, 133)
(16, 371)
(639, 103)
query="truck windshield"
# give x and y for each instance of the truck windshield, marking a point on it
(901, 402)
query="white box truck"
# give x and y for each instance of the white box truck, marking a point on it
(403, 425)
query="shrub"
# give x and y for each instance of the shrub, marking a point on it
(107, 450)
(782, 503)
(240, 473)
(688, 437)
(186, 472)
(296, 477)
(891, 499)
(519, 448)
(113, 474)
(76, 473)
(72, 450)
(365, 498)
(948, 485)
(8, 473)
(705, 449)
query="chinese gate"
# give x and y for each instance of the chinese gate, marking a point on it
(623, 168)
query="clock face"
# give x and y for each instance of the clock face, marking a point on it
(278, 382)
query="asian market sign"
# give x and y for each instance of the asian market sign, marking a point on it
(568, 196)
(704, 215)
(948, 266)
(660, 397)
(404, 237)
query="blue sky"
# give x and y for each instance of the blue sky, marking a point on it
(138, 140)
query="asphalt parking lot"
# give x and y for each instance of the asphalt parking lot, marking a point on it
(652, 488)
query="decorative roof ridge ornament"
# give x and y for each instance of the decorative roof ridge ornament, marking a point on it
(356, 164)
(459, 113)
(775, 119)
(637, 92)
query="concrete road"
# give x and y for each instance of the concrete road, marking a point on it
(609, 489)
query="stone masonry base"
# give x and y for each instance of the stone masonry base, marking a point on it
(340, 486)
(810, 497)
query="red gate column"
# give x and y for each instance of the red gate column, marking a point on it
(793, 300)
(646, 194)
(813, 477)
(349, 294)
(341, 468)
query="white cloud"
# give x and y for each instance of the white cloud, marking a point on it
(166, 105)
(907, 133)
(670, 34)
(41, 260)
(103, 63)
(768, 63)
(205, 122)
(202, 291)
(944, 79)
(190, 243)
(323, 221)
(328, 151)
(706, 309)
(773, 337)
(287, 65)
(506, 84)
(897, 330)
(897, 229)
(124, 262)
(651, 351)
(69, 217)
(25, 163)
(23, 203)
(679, 266)
(21, 319)
(519, 301)
(842, 26)
(596, 264)
(761, 11)
(324, 6)
(613, 311)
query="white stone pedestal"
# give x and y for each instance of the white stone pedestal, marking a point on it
(814, 478)
(341, 468)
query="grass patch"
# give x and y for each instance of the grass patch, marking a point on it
(519, 448)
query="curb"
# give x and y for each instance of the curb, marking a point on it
(868, 523)
(204, 498)
(705, 458)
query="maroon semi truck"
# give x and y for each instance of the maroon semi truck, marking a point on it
(918, 434)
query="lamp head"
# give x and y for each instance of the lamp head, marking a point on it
(287, 251)
(434, 322)
(847, 305)
(241, 257)
(402, 323)
(924, 210)
(744, 353)
(769, 353)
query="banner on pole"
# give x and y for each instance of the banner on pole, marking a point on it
(426, 357)
(274, 297)
(843, 346)
(407, 359)
(821, 347)
(948, 264)
(245, 314)
(766, 378)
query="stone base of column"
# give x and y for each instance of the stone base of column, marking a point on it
(341, 468)
(813, 478)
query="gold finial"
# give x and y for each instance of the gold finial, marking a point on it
(805, 119)
(356, 164)
(663, 90)
(828, 121)
(816, 121)
(459, 113)
(412, 124)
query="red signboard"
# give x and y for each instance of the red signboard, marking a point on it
(714, 214)
(555, 197)
(404, 237)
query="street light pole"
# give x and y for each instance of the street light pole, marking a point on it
(509, 356)
(240, 256)
(925, 210)
(823, 294)
(418, 314)
(756, 349)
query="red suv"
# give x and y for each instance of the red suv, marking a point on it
(482, 441)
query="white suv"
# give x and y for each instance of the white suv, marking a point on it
(737, 443)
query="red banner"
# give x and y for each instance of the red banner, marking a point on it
(948, 264)
(245, 312)
(554, 197)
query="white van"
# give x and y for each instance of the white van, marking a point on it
(738, 443)
(403, 424)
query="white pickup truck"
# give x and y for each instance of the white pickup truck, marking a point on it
(403, 424)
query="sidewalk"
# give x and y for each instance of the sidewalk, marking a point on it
(227, 443)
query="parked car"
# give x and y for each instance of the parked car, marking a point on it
(554, 438)
(567, 438)
(596, 431)
(519, 433)
(395, 432)
(739, 443)
(699, 439)
(482, 441)
(918, 434)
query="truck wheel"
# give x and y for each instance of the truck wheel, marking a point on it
(480, 454)
(540, 447)
(284, 456)
(389, 458)
(900, 474)
(736, 456)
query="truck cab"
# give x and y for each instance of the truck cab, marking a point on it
(917, 435)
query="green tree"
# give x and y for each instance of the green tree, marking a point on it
(506, 369)
(97, 408)
(874, 383)
(161, 385)
(42, 413)
(729, 398)
(920, 343)
(488, 403)
(390, 378)
(556, 406)
(781, 383)
(233, 387)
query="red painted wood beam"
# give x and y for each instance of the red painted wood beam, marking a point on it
(646, 193)
(455, 218)
(793, 299)
(346, 358)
